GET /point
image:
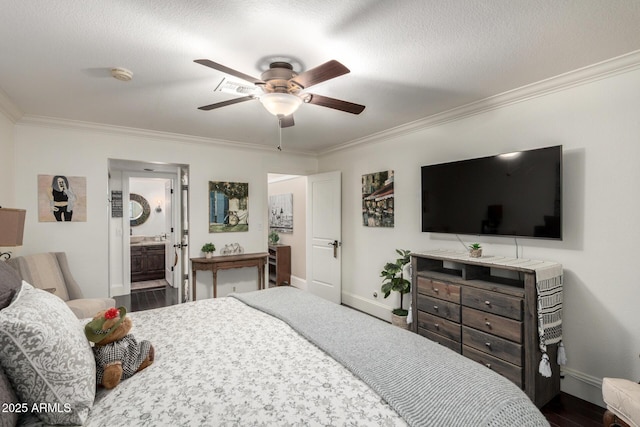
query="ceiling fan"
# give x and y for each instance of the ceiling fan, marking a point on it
(281, 90)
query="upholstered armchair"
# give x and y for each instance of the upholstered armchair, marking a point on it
(622, 398)
(50, 271)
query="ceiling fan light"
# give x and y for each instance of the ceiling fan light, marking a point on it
(278, 104)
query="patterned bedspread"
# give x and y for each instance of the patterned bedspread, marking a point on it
(221, 363)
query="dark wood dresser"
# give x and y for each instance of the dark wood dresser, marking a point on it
(486, 311)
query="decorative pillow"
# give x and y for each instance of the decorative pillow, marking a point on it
(46, 356)
(8, 414)
(9, 283)
(5, 298)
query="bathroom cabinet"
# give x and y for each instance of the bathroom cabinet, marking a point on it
(147, 262)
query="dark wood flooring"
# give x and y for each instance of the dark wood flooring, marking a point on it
(147, 299)
(569, 411)
(564, 411)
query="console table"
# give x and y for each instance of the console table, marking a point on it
(226, 262)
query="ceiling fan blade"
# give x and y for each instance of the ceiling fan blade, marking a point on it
(228, 70)
(319, 74)
(286, 121)
(336, 104)
(225, 103)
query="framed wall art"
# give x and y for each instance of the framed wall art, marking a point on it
(228, 206)
(281, 213)
(62, 198)
(378, 199)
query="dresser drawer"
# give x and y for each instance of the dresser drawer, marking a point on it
(453, 345)
(438, 307)
(437, 289)
(492, 324)
(506, 369)
(439, 325)
(493, 345)
(493, 302)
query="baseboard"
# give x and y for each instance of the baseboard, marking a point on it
(378, 310)
(370, 307)
(299, 283)
(117, 290)
(584, 386)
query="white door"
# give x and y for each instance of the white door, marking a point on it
(170, 262)
(323, 236)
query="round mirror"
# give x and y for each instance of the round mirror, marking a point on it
(139, 209)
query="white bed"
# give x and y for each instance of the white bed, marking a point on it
(220, 362)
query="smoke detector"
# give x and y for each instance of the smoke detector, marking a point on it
(121, 74)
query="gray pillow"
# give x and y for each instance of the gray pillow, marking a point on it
(6, 297)
(8, 417)
(46, 355)
(9, 283)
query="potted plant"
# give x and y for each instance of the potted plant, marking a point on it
(475, 250)
(208, 249)
(393, 280)
(274, 237)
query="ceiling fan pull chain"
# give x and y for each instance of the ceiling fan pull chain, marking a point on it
(280, 132)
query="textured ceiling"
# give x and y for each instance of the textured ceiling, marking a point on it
(408, 59)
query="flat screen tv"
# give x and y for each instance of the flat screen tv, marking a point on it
(513, 194)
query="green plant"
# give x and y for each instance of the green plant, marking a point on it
(394, 279)
(475, 246)
(208, 247)
(274, 237)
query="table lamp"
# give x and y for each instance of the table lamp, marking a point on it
(11, 229)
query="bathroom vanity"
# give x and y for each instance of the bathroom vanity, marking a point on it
(147, 261)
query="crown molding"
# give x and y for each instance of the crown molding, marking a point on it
(151, 135)
(581, 76)
(9, 108)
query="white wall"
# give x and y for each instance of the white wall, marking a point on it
(7, 192)
(52, 147)
(599, 125)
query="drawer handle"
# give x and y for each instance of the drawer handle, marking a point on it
(487, 302)
(488, 344)
(437, 325)
(488, 365)
(488, 324)
(435, 307)
(436, 290)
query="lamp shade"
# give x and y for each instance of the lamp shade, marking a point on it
(11, 226)
(280, 104)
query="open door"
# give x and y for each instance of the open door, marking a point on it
(324, 225)
(171, 254)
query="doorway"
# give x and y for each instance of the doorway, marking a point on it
(315, 237)
(151, 222)
(284, 189)
(148, 233)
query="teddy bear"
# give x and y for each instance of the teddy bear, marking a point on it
(118, 354)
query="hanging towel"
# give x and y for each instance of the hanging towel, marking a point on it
(549, 291)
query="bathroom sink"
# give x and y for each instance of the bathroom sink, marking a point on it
(136, 239)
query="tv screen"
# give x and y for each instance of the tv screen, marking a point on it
(513, 194)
